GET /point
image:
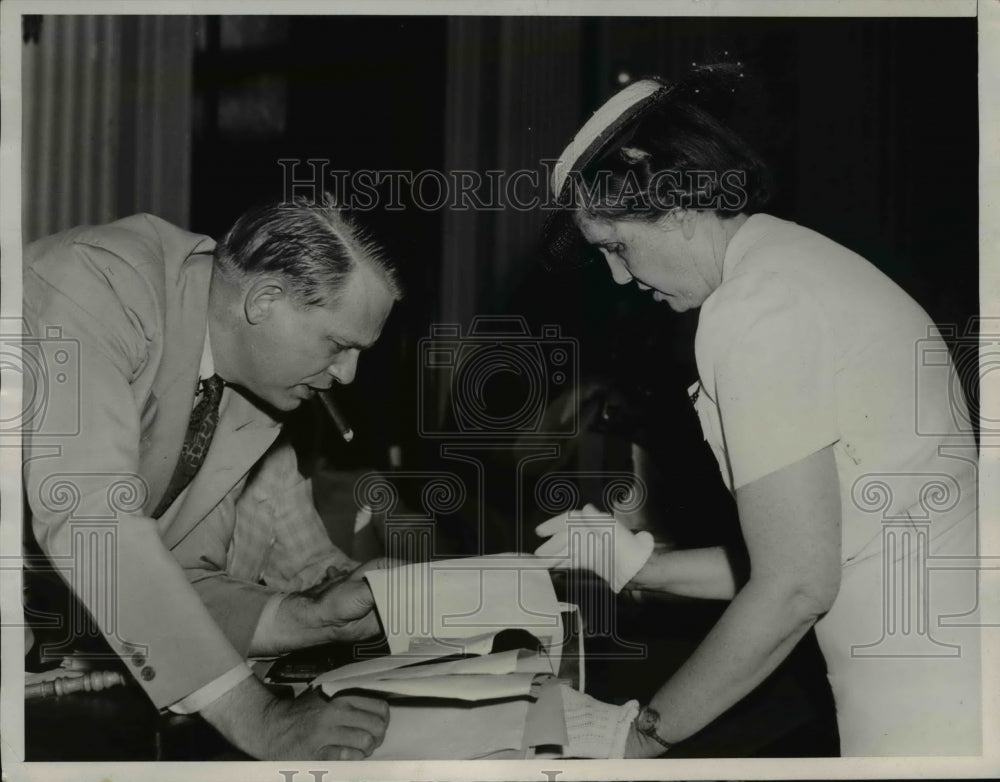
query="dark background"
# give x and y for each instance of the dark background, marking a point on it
(869, 124)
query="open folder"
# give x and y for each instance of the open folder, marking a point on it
(454, 689)
(456, 606)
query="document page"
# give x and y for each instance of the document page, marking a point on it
(457, 606)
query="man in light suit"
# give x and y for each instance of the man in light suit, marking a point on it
(278, 310)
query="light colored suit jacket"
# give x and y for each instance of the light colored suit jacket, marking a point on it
(128, 303)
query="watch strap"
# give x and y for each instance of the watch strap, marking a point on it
(647, 721)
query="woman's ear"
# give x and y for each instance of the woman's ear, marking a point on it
(260, 299)
(687, 219)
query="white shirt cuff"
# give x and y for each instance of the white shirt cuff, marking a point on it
(212, 691)
(264, 643)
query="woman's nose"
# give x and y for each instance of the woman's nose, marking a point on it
(344, 367)
(619, 273)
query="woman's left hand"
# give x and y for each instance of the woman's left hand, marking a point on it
(587, 548)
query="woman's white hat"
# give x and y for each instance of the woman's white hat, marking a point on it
(563, 245)
(597, 131)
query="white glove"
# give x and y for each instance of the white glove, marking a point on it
(595, 729)
(591, 540)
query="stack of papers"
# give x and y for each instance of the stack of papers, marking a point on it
(502, 675)
(450, 695)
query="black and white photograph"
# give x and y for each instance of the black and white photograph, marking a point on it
(539, 391)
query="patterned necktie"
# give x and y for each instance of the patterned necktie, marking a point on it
(197, 439)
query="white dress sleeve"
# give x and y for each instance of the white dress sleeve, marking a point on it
(765, 358)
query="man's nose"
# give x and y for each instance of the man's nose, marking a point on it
(344, 367)
(619, 273)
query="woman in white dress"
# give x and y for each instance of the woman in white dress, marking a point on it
(829, 401)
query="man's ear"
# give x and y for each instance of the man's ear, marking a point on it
(260, 299)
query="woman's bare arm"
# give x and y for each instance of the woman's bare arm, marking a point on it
(791, 524)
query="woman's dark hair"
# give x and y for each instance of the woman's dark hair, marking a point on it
(678, 153)
(313, 246)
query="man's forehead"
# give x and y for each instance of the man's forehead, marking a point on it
(358, 313)
(365, 278)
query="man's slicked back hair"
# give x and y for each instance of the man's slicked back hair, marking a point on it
(313, 246)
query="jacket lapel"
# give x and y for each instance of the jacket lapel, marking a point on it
(186, 305)
(242, 436)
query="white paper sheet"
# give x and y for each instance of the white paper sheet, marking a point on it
(465, 679)
(461, 732)
(402, 667)
(463, 687)
(435, 608)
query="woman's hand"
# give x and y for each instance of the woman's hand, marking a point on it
(592, 540)
(595, 729)
(639, 745)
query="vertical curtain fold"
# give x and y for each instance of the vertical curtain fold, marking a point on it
(106, 111)
(512, 100)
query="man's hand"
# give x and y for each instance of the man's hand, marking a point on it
(344, 608)
(339, 608)
(336, 609)
(379, 563)
(348, 727)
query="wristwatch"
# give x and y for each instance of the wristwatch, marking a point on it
(647, 723)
